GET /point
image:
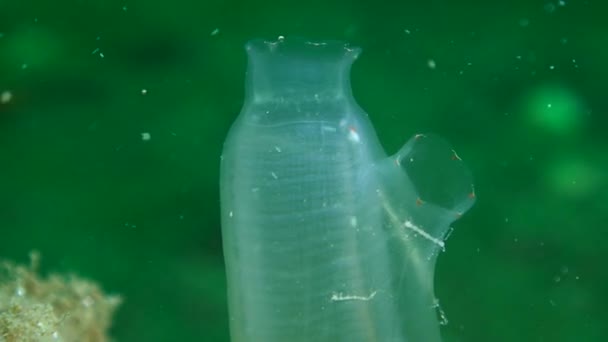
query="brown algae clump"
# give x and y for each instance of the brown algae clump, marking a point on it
(54, 308)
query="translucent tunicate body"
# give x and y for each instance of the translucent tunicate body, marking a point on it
(326, 238)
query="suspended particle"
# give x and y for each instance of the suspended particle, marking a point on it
(6, 97)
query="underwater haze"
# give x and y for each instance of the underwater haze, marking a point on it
(113, 116)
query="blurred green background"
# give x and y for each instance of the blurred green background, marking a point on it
(113, 115)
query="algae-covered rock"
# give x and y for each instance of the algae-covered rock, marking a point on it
(54, 308)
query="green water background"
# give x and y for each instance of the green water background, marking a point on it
(517, 87)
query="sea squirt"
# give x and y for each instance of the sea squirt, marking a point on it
(325, 237)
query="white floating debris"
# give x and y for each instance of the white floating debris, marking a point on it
(274, 175)
(574, 63)
(144, 91)
(215, 32)
(146, 136)
(431, 64)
